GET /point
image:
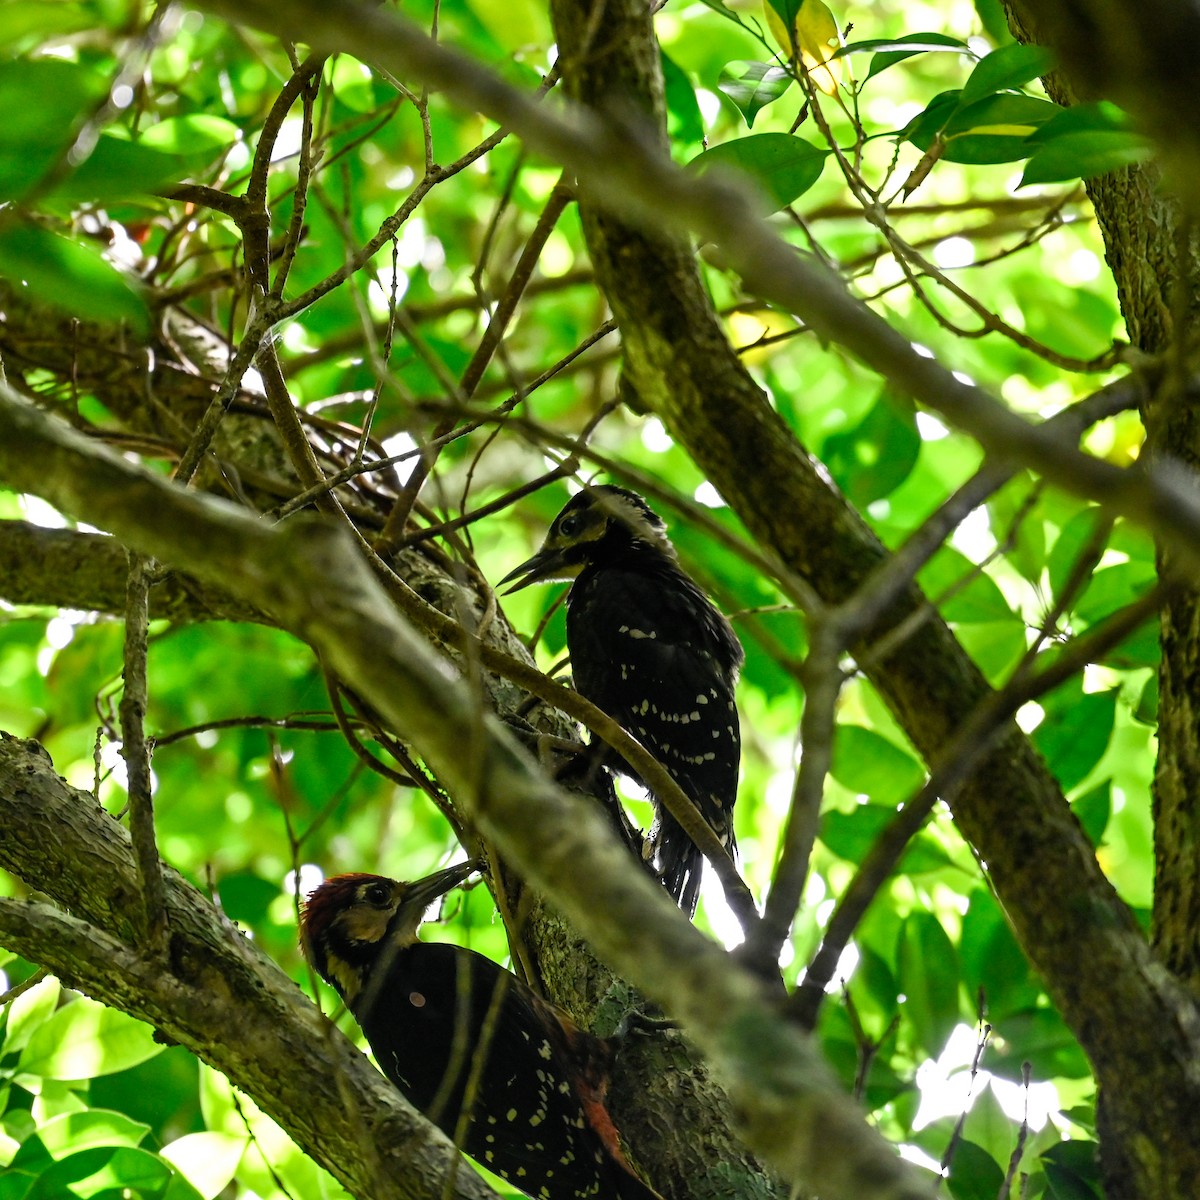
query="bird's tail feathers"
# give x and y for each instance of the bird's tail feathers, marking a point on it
(679, 860)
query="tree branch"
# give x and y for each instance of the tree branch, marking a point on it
(63, 568)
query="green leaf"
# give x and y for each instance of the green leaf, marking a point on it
(85, 1039)
(718, 7)
(928, 974)
(753, 85)
(974, 1174)
(15, 1185)
(890, 51)
(43, 100)
(875, 974)
(1093, 810)
(964, 594)
(1074, 536)
(992, 962)
(850, 835)
(1009, 67)
(1147, 705)
(74, 1132)
(1073, 1171)
(786, 10)
(1015, 517)
(179, 1188)
(1075, 731)
(866, 763)
(119, 168)
(353, 83)
(1038, 1036)
(195, 135)
(871, 460)
(1115, 587)
(994, 21)
(97, 1173)
(685, 123)
(21, 22)
(993, 130)
(990, 1127)
(783, 166)
(1100, 117)
(28, 1012)
(68, 275)
(207, 1160)
(1084, 156)
(245, 897)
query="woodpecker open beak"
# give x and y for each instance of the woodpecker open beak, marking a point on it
(545, 564)
(421, 893)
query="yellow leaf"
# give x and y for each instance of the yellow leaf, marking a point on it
(779, 30)
(813, 39)
(818, 36)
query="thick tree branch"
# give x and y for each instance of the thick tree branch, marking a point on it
(63, 568)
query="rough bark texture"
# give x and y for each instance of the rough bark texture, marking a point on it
(1139, 1029)
(63, 568)
(1144, 57)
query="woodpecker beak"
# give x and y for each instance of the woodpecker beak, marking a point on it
(545, 564)
(421, 893)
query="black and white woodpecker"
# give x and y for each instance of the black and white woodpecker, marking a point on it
(509, 1078)
(649, 648)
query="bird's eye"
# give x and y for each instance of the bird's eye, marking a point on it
(569, 526)
(378, 894)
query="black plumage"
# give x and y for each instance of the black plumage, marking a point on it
(509, 1078)
(649, 648)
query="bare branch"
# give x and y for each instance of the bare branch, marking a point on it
(136, 753)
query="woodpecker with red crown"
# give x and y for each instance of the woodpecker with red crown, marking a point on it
(511, 1079)
(649, 648)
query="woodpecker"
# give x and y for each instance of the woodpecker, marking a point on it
(649, 648)
(511, 1079)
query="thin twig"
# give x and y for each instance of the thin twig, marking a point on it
(823, 679)
(136, 753)
(985, 1034)
(1014, 1161)
(19, 989)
